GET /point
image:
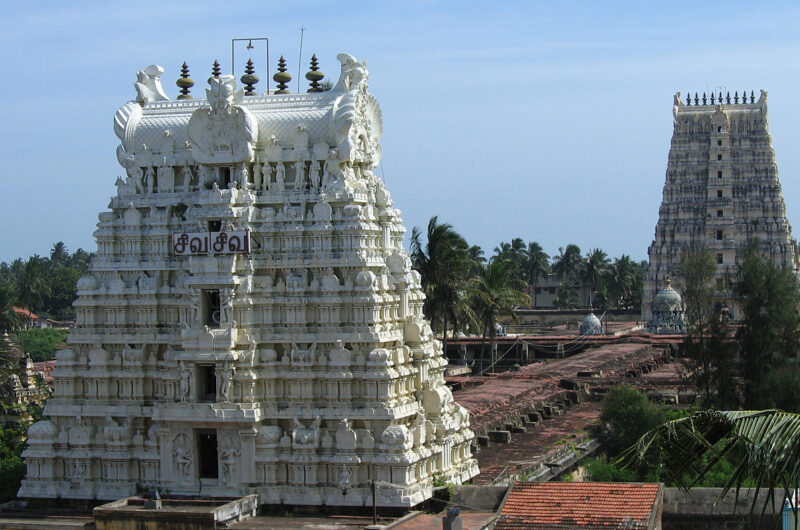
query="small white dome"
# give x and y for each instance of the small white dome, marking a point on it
(591, 325)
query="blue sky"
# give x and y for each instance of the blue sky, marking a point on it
(549, 121)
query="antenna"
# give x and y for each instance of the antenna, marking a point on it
(300, 57)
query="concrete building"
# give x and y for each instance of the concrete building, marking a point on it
(250, 323)
(721, 190)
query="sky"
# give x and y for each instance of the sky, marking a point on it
(549, 121)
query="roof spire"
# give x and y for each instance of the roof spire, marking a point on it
(185, 83)
(314, 75)
(249, 79)
(282, 77)
(215, 69)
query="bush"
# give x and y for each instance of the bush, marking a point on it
(41, 342)
(601, 470)
(627, 414)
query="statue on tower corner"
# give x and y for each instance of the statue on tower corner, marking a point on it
(223, 132)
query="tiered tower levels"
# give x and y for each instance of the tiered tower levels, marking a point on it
(251, 323)
(721, 190)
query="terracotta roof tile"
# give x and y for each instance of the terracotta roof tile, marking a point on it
(578, 505)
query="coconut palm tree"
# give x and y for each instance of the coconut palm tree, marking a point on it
(536, 265)
(31, 285)
(566, 295)
(568, 262)
(442, 263)
(9, 321)
(622, 277)
(765, 445)
(593, 270)
(495, 292)
(59, 253)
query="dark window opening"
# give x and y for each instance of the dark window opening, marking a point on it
(719, 174)
(207, 383)
(719, 213)
(719, 142)
(719, 235)
(719, 129)
(215, 226)
(719, 157)
(207, 454)
(224, 177)
(719, 193)
(211, 307)
(719, 259)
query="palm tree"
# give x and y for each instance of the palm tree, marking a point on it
(593, 269)
(495, 292)
(566, 295)
(59, 253)
(568, 262)
(765, 444)
(442, 263)
(31, 286)
(9, 321)
(536, 265)
(622, 278)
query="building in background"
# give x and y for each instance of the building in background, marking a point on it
(721, 190)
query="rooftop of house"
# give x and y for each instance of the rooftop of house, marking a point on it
(579, 505)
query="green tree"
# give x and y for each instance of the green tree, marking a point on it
(708, 344)
(495, 293)
(768, 337)
(59, 254)
(764, 446)
(442, 262)
(626, 415)
(593, 269)
(624, 279)
(568, 262)
(536, 265)
(566, 295)
(9, 321)
(31, 286)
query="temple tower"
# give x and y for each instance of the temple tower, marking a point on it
(251, 322)
(721, 190)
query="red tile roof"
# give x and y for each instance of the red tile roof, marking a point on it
(24, 312)
(578, 505)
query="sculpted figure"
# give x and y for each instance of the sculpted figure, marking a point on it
(280, 176)
(257, 174)
(266, 169)
(300, 177)
(226, 382)
(149, 179)
(242, 176)
(187, 177)
(227, 457)
(185, 382)
(313, 174)
(226, 304)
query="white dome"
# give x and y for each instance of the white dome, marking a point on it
(591, 325)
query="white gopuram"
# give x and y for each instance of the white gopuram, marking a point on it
(251, 323)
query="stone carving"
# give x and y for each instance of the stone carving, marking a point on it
(226, 382)
(185, 384)
(228, 454)
(280, 176)
(223, 132)
(183, 455)
(148, 85)
(345, 436)
(340, 356)
(269, 434)
(303, 436)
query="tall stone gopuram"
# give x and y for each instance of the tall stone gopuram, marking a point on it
(721, 190)
(251, 322)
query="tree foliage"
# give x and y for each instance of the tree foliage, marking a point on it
(768, 337)
(46, 286)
